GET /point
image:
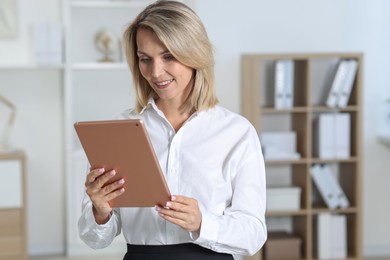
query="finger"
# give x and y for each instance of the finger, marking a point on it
(177, 206)
(114, 194)
(176, 221)
(173, 214)
(99, 182)
(113, 186)
(91, 177)
(180, 199)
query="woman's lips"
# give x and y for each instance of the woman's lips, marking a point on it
(163, 84)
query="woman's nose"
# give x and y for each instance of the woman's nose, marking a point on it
(158, 69)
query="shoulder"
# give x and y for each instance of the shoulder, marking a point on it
(228, 125)
(226, 117)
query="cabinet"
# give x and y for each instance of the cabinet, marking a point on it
(93, 90)
(13, 234)
(313, 76)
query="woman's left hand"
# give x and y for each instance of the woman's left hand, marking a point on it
(182, 211)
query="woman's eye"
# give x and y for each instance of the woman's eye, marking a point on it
(144, 60)
(169, 57)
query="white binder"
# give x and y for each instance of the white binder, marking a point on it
(284, 84)
(331, 236)
(40, 43)
(342, 135)
(54, 43)
(324, 186)
(280, 81)
(346, 88)
(289, 84)
(338, 193)
(338, 236)
(324, 222)
(325, 139)
(337, 84)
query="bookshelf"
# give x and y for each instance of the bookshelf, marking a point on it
(312, 78)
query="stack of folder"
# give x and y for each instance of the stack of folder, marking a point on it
(333, 135)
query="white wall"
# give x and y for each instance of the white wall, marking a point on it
(235, 27)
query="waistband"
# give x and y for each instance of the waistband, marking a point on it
(177, 248)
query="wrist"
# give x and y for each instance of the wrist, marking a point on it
(101, 217)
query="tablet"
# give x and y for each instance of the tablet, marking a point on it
(124, 145)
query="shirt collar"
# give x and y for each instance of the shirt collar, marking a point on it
(152, 104)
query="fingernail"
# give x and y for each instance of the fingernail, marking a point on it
(168, 204)
(157, 208)
(101, 170)
(173, 198)
(112, 173)
(121, 181)
(122, 190)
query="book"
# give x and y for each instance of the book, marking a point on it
(284, 84)
(329, 187)
(289, 84)
(40, 43)
(338, 244)
(54, 43)
(280, 75)
(324, 223)
(333, 136)
(331, 236)
(337, 84)
(342, 135)
(48, 46)
(324, 186)
(346, 87)
(280, 145)
(325, 136)
(337, 191)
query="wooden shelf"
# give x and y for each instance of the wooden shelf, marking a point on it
(286, 213)
(324, 161)
(32, 67)
(328, 109)
(258, 79)
(108, 4)
(270, 110)
(335, 211)
(285, 162)
(99, 66)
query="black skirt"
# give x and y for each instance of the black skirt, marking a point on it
(173, 252)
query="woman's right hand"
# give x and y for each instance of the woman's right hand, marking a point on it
(100, 194)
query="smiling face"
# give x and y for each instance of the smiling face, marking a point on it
(170, 79)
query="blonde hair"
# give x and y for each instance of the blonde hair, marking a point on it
(182, 32)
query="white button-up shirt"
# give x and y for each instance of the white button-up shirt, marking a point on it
(214, 158)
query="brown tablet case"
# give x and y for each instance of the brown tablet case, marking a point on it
(124, 145)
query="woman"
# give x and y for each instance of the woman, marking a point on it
(211, 157)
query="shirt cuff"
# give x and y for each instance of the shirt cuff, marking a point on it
(208, 232)
(90, 219)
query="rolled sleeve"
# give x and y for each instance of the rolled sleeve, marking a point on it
(94, 235)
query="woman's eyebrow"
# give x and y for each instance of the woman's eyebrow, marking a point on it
(161, 53)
